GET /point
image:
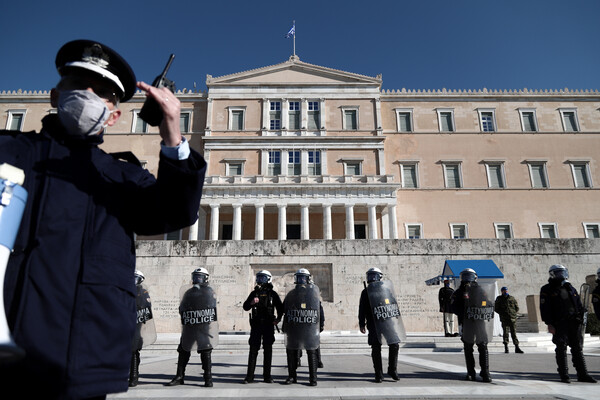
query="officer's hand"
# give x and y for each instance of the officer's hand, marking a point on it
(171, 108)
(255, 300)
(363, 330)
(551, 329)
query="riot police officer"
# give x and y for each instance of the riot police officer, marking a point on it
(303, 322)
(200, 329)
(378, 311)
(471, 303)
(263, 302)
(145, 331)
(562, 311)
(596, 296)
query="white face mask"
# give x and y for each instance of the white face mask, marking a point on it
(82, 112)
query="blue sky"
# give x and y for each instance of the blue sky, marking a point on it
(420, 44)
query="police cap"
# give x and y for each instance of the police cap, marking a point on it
(98, 58)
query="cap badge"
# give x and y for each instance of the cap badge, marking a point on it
(95, 55)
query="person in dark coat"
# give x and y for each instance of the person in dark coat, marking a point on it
(69, 296)
(266, 312)
(562, 311)
(507, 308)
(596, 296)
(444, 295)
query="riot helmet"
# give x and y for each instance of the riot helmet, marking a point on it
(139, 277)
(200, 276)
(598, 273)
(263, 277)
(558, 272)
(302, 277)
(374, 274)
(468, 275)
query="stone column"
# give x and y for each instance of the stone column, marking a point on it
(282, 222)
(372, 212)
(327, 222)
(259, 225)
(349, 221)
(304, 224)
(237, 222)
(214, 222)
(385, 226)
(193, 234)
(392, 221)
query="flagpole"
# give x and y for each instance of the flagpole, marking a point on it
(294, 38)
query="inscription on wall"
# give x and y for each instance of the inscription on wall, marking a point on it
(414, 305)
(166, 308)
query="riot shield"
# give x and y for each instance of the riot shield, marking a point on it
(386, 313)
(478, 320)
(198, 310)
(584, 295)
(145, 331)
(301, 318)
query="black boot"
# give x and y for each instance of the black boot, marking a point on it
(205, 356)
(377, 363)
(393, 361)
(313, 364)
(518, 349)
(470, 362)
(506, 348)
(484, 363)
(182, 361)
(320, 365)
(292, 363)
(579, 364)
(268, 357)
(562, 363)
(251, 365)
(134, 372)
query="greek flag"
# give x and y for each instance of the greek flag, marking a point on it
(292, 32)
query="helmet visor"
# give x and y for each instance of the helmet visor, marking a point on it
(199, 279)
(262, 279)
(301, 279)
(373, 276)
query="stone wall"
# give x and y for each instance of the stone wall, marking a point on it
(339, 268)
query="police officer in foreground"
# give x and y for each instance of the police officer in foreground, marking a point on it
(263, 303)
(200, 328)
(596, 296)
(444, 295)
(507, 308)
(470, 302)
(302, 323)
(562, 311)
(145, 331)
(378, 311)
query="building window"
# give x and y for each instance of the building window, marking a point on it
(350, 119)
(294, 166)
(274, 166)
(413, 231)
(592, 230)
(528, 120)
(314, 120)
(314, 162)
(487, 120)
(409, 175)
(495, 173)
(227, 232)
(184, 122)
(15, 120)
(175, 235)
(236, 119)
(538, 174)
(139, 125)
(548, 230)
(452, 175)
(458, 231)
(292, 231)
(404, 120)
(294, 115)
(352, 167)
(446, 120)
(569, 120)
(503, 230)
(234, 167)
(581, 174)
(360, 231)
(275, 115)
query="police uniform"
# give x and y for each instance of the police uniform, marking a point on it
(262, 327)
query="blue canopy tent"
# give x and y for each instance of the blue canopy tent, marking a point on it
(485, 269)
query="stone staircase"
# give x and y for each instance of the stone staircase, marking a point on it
(354, 342)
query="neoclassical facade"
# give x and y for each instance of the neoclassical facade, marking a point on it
(300, 151)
